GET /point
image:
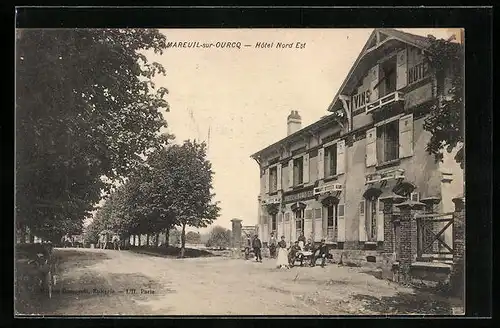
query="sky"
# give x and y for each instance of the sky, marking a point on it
(243, 96)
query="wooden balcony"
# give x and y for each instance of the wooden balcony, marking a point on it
(391, 98)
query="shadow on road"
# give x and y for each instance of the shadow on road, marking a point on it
(89, 290)
(406, 303)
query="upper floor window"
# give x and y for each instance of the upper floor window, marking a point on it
(273, 179)
(387, 77)
(388, 142)
(331, 160)
(298, 171)
(371, 212)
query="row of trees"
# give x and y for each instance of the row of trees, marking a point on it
(171, 188)
(86, 110)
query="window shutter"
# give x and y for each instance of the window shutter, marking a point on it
(293, 227)
(402, 69)
(362, 222)
(371, 147)
(279, 218)
(374, 79)
(287, 231)
(278, 170)
(318, 225)
(280, 229)
(290, 173)
(321, 161)
(308, 224)
(406, 136)
(266, 181)
(305, 168)
(341, 163)
(380, 221)
(341, 222)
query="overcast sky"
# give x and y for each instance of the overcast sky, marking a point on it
(244, 96)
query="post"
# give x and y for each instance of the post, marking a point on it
(408, 243)
(236, 237)
(457, 278)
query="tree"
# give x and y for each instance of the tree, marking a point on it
(193, 237)
(174, 238)
(86, 108)
(446, 119)
(219, 237)
(190, 176)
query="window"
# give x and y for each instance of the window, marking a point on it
(371, 219)
(387, 81)
(298, 171)
(332, 222)
(388, 142)
(274, 223)
(299, 222)
(273, 179)
(331, 160)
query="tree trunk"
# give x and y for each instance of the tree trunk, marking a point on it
(147, 239)
(32, 238)
(167, 237)
(133, 240)
(183, 240)
(157, 240)
(139, 242)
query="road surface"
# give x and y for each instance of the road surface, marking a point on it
(107, 282)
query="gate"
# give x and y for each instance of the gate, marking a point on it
(434, 237)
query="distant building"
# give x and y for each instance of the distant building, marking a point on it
(327, 180)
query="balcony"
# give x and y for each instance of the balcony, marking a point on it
(389, 99)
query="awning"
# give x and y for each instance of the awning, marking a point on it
(382, 189)
(272, 209)
(404, 188)
(328, 200)
(298, 206)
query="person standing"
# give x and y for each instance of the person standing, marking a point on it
(272, 245)
(282, 261)
(257, 245)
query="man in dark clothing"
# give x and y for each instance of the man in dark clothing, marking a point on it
(272, 245)
(292, 255)
(322, 252)
(302, 238)
(257, 245)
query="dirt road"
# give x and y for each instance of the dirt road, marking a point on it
(106, 282)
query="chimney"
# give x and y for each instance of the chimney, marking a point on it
(293, 122)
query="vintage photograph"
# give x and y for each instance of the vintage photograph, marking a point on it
(231, 172)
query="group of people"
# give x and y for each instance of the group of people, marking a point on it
(287, 257)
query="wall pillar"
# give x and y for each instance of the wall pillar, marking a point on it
(236, 237)
(408, 241)
(457, 278)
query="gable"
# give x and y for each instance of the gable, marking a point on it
(383, 42)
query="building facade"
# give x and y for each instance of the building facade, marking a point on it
(329, 179)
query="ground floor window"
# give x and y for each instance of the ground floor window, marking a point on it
(274, 223)
(299, 222)
(371, 219)
(332, 222)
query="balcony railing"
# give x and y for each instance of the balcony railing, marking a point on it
(388, 99)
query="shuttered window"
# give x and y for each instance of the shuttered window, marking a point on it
(406, 136)
(331, 160)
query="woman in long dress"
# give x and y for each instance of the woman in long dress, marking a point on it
(282, 261)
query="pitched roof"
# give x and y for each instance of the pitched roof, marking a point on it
(412, 39)
(415, 40)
